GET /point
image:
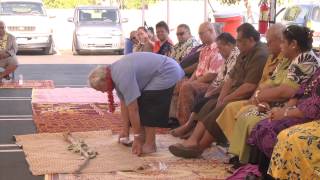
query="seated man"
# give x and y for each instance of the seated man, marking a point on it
(186, 43)
(242, 82)
(8, 50)
(210, 61)
(190, 93)
(277, 67)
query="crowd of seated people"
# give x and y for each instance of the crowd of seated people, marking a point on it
(259, 100)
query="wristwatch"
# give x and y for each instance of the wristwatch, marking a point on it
(256, 95)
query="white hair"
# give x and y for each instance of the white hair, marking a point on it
(277, 30)
(97, 77)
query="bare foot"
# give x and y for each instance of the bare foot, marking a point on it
(189, 143)
(147, 149)
(123, 135)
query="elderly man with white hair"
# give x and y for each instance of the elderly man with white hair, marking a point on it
(8, 50)
(144, 82)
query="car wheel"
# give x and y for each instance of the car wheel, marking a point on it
(121, 52)
(74, 49)
(50, 49)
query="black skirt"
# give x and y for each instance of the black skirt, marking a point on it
(154, 106)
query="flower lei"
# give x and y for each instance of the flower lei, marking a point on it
(3, 42)
(109, 90)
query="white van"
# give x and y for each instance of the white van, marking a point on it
(28, 22)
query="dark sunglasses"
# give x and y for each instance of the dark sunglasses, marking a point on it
(133, 38)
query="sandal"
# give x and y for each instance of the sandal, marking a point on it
(186, 152)
(125, 141)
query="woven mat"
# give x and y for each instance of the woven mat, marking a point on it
(38, 84)
(77, 117)
(210, 167)
(69, 95)
(47, 153)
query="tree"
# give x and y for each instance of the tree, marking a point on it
(67, 3)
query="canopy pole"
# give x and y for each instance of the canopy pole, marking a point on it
(142, 12)
(168, 12)
(205, 10)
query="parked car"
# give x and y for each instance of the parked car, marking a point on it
(97, 29)
(304, 15)
(28, 22)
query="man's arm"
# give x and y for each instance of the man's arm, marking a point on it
(242, 92)
(276, 94)
(207, 78)
(125, 117)
(12, 48)
(134, 117)
(225, 88)
(191, 69)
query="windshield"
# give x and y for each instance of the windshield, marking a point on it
(296, 13)
(316, 14)
(106, 15)
(21, 8)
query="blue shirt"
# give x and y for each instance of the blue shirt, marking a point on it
(141, 71)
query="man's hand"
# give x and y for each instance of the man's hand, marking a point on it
(3, 54)
(276, 114)
(211, 91)
(137, 145)
(263, 107)
(220, 100)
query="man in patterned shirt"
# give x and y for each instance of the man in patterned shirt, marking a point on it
(186, 43)
(210, 61)
(8, 50)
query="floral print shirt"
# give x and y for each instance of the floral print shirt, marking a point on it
(180, 50)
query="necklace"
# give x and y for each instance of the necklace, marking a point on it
(109, 90)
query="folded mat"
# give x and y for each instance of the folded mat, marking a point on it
(48, 153)
(38, 84)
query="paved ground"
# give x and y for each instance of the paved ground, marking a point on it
(16, 114)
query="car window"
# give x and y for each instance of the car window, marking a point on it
(295, 13)
(106, 15)
(316, 14)
(24, 8)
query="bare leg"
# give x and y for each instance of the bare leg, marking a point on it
(206, 140)
(150, 140)
(196, 136)
(182, 130)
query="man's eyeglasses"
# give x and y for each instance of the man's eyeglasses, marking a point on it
(180, 33)
(133, 38)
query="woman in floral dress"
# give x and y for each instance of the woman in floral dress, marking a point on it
(297, 153)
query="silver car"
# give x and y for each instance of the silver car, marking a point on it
(308, 15)
(28, 22)
(97, 29)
